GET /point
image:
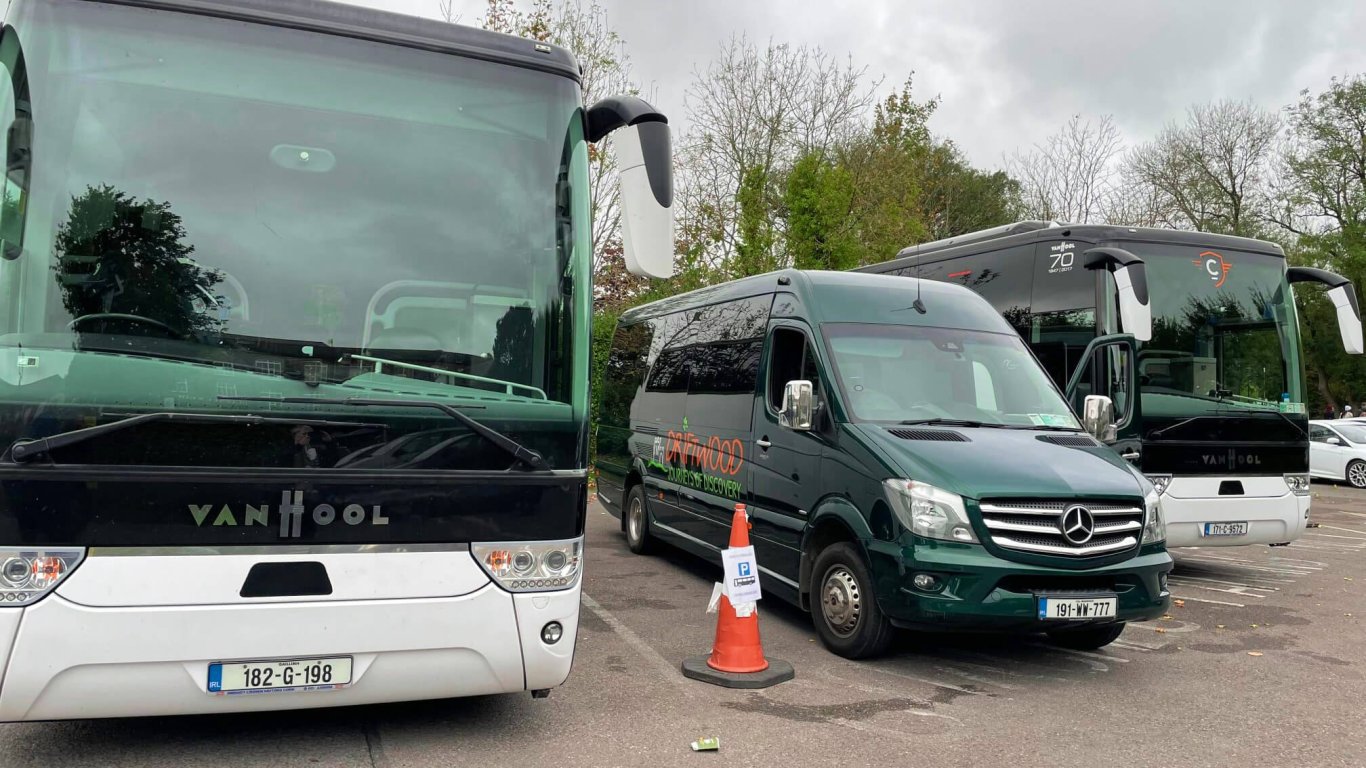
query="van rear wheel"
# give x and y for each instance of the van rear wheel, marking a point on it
(636, 520)
(843, 607)
(1086, 639)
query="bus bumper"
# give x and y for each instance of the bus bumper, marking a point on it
(1273, 514)
(71, 661)
(982, 593)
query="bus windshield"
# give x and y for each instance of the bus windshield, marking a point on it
(199, 211)
(1224, 331)
(901, 373)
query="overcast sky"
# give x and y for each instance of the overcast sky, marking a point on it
(1011, 72)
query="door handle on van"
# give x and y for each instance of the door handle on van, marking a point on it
(1129, 455)
(763, 443)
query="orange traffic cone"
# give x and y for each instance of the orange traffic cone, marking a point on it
(737, 657)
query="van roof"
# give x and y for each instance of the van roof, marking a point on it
(847, 297)
(380, 26)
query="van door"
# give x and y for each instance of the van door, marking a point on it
(723, 360)
(785, 481)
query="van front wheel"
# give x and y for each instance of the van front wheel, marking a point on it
(1086, 639)
(843, 608)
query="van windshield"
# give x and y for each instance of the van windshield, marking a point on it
(900, 373)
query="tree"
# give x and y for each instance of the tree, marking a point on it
(818, 198)
(119, 257)
(1322, 202)
(1211, 174)
(761, 109)
(1070, 176)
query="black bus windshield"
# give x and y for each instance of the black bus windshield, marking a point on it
(1224, 332)
(199, 211)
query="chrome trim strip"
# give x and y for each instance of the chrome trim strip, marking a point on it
(696, 540)
(1099, 511)
(281, 549)
(1009, 543)
(1046, 526)
(1127, 525)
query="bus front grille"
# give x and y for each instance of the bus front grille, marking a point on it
(1063, 528)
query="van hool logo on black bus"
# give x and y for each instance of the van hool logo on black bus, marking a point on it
(1231, 459)
(289, 515)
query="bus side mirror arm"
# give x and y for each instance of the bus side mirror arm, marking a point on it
(1131, 283)
(644, 157)
(1344, 298)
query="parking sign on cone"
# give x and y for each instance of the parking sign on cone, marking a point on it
(737, 656)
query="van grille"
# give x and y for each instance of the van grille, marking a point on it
(1065, 528)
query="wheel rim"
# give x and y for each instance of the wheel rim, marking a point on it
(841, 601)
(635, 519)
(1357, 474)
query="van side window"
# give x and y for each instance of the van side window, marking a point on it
(624, 373)
(725, 342)
(790, 357)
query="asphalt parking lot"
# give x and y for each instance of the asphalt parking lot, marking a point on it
(1260, 663)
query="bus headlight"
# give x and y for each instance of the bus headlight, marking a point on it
(929, 511)
(531, 566)
(1154, 525)
(1299, 484)
(27, 575)
(1160, 482)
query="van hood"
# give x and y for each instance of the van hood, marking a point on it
(1003, 463)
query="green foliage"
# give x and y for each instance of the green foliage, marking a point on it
(819, 199)
(754, 255)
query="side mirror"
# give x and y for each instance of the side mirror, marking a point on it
(641, 146)
(1344, 299)
(1131, 288)
(1333, 441)
(798, 406)
(1098, 417)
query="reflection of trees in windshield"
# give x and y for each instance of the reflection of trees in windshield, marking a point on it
(1217, 346)
(117, 255)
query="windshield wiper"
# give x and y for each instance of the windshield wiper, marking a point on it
(516, 449)
(942, 422)
(26, 450)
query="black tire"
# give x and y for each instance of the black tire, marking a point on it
(843, 606)
(1086, 639)
(635, 520)
(1356, 473)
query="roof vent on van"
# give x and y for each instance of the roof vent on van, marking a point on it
(1071, 441)
(941, 435)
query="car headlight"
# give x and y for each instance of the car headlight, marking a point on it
(1160, 482)
(929, 511)
(1299, 484)
(1154, 525)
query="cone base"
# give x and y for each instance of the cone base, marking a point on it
(779, 671)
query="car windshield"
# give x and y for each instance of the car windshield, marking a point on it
(1224, 329)
(1355, 433)
(199, 209)
(897, 373)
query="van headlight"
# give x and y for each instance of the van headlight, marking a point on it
(929, 511)
(531, 566)
(1154, 525)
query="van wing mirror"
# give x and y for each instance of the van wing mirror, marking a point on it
(641, 147)
(1131, 286)
(798, 405)
(1344, 298)
(1098, 417)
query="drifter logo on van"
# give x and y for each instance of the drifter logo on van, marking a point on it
(708, 463)
(289, 515)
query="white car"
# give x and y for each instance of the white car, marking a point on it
(1337, 450)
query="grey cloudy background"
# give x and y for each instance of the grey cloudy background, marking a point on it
(1010, 72)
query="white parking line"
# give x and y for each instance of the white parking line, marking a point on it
(1213, 602)
(669, 671)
